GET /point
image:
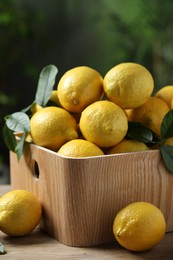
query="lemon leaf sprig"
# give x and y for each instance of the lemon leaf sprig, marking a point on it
(45, 86)
(19, 122)
(137, 131)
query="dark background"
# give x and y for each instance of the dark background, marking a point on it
(100, 34)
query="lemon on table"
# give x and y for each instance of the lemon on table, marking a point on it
(20, 212)
(126, 146)
(103, 123)
(52, 126)
(80, 148)
(166, 94)
(150, 114)
(139, 226)
(128, 84)
(79, 87)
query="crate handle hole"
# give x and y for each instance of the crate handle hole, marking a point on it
(36, 170)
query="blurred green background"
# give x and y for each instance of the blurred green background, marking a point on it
(100, 34)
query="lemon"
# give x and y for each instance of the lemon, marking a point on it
(54, 97)
(80, 148)
(20, 212)
(166, 94)
(172, 103)
(103, 123)
(139, 226)
(79, 87)
(126, 146)
(35, 107)
(128, 84)
(150, 114)
(169, 141)
(28, 138)
(52, 126)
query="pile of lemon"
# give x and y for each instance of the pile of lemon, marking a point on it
(91, 114)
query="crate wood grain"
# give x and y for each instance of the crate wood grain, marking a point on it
(81, 196)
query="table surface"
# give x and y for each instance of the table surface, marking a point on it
(38, 245)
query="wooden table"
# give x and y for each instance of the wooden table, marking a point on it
(38, 245)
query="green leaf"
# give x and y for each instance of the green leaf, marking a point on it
(2, 249)
(9, 138)
(18, 122)
(20, 145)
(167, 155)
(167, 125)
(139, 132)
(45, 84)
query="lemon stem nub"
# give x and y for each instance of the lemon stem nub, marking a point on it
(75, 101)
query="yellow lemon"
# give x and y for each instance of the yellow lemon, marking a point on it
(54, 97)
(79, 87)
(128, 84)
(35, 107)
(139, 226)
(80, 148)
(51, 127)
(166, 94)
(103, 123)
(169, 141)
(28, 138)
(150, 114)
(126, 146)
(20, 212)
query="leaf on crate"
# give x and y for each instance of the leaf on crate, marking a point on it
(167, 125)
(9, 138)
(139, 132)
(20, 145)
(167, 155)
(18, 122)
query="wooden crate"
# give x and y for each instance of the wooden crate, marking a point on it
(81, 196)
